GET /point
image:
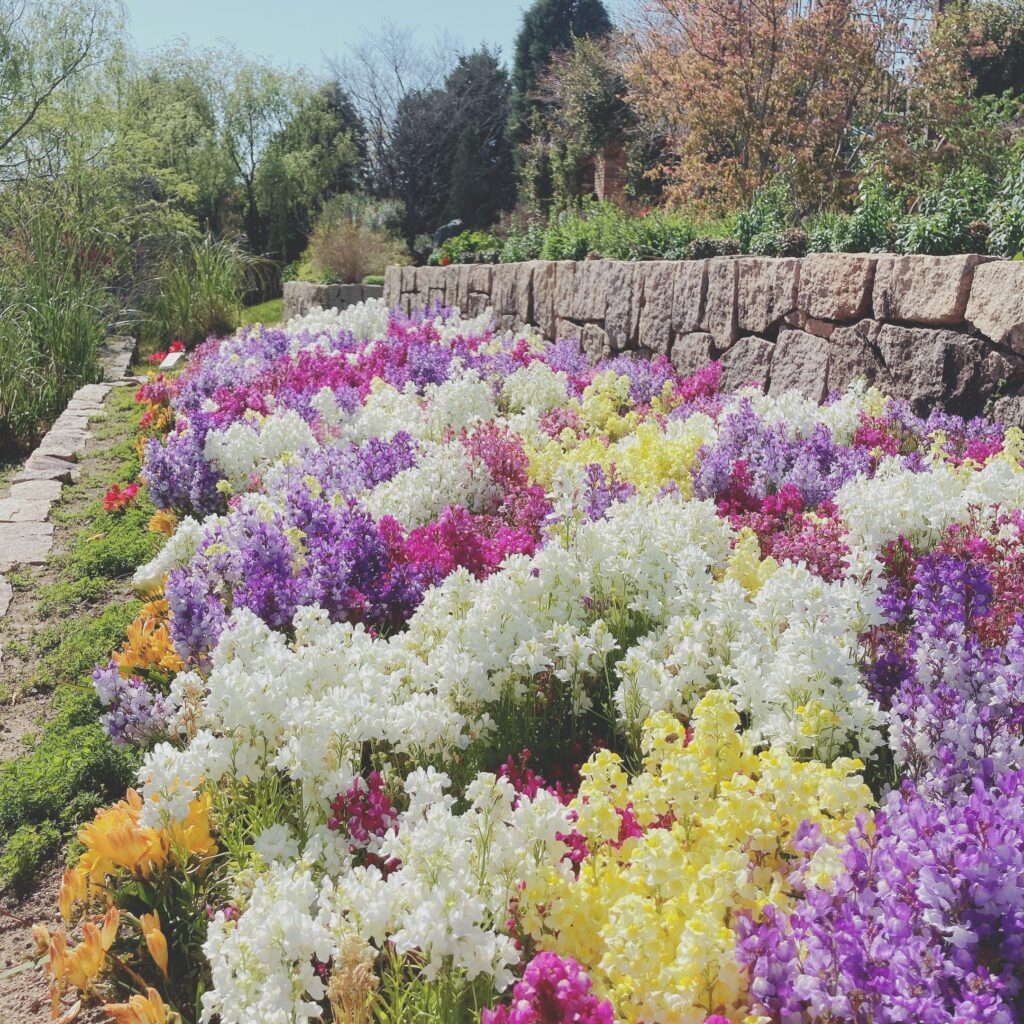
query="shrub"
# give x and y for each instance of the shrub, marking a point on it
(707, 246)
(1006, 213)
(869, 228)
(373, 279)
(467, 247)
(947, 218)
(25, 852)
(354, 236)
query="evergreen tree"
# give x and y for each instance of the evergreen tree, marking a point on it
(548, 28)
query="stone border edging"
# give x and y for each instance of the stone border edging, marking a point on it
(26, 534)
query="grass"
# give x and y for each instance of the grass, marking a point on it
(79, 618)
(269, 313)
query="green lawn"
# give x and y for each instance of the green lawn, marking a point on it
(269, 313)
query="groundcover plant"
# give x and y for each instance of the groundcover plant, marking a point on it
(478, 684)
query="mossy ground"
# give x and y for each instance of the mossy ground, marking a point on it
(66, 617)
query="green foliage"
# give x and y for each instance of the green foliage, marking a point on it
(269, 313)
(354, 235)
(1005, 214)
(869, 228)
(605, 230)
(772, 210)
(71, 648)
(114, 544)
(69, 773)
(468, 247)
(67, 596)
(53, 318)
(948, 219)
(708, 246)
(374, 279)
(198, 290)
(523, 245)
(24, 853)
(548, 27)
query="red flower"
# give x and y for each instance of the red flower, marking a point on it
(176, 346)
(116, 500)
(445, 260)
(158, 357)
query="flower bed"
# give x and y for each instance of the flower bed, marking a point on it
(481, 684)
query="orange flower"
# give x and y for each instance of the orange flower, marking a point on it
(149, 643)
(147, 1009)
(114, 839)
(156, 941)
(163, 521)
(80, 966)
(192, 836)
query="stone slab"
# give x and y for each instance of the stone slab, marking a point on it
(836, 285)
(688, 294)
(14, 510)
(719, 317)
(748, 361)
(24, 544)
(655, 331)
(800, 364)
(36, 490)
(691, 352)
(766, 292)
(929, 290)
(996, 305)
(45, 467)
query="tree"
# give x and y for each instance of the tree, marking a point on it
(549, 27)
(381, 73)
(581, 109)
(482, 180)
(744, 88)
(318, 154)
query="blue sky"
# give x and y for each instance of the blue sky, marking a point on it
(304, 32)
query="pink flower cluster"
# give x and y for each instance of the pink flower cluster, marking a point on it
(554, 990)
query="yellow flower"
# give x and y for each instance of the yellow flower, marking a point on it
(156, 941)
(163, 521)
(191, 837)
(114, 839)
(746, 565)
(651, 919)
(147, 1009)
(82, 965)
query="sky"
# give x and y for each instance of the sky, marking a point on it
(306, 32)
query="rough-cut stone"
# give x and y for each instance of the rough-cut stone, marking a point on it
(14, 510)
(588, 298)
(36, 490)
(6, 595)
(691, 351)
(479, 302)
(923, 289)
(719, 317)
(63, 443)
(852, 355)
(479, 277)
(45, 467)
(1009, 410)
(800, 364)
(766, 290)
(996, 305)
(567, 329)
(656, 313)
(933, 368)
(524, 293)
(504, 293)
(748, 361)
(821, 328)
(92, 393)
(565, 286)
(594, 343)
(622, 316)
(836, 286)
(24, 544)
(392, 286)
(688, 292)
(544, 298)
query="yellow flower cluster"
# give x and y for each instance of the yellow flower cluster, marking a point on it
(147, 1009)
(650, 918)
(116, 843)
(149, 645)
(642, 453)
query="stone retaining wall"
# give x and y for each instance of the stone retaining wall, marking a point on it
(937, 330)
(302, 296)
